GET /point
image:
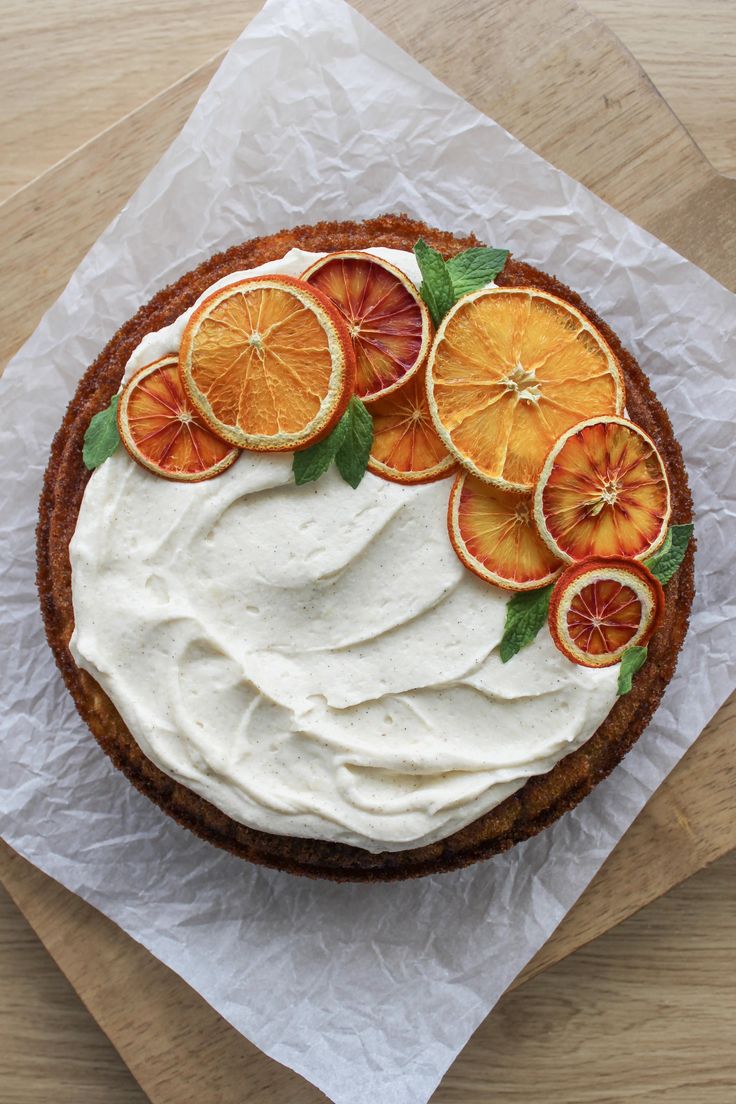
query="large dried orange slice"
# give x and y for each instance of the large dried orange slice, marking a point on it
(493, 533)
(602, 606)
(511, 369)
(603, 491)
(387, 320)
(406, 447)
(268, 363)
(162, 430)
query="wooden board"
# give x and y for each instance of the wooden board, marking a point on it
(101, 59)
(564, 86)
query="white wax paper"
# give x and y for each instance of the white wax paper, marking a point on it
(368, 991)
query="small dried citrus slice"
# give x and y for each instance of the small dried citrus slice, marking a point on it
(603, 491)
(162, 431)
(406, 447)
(493, 533)
(268, 363)
(512, 368)
(602, 606)
(388, 321)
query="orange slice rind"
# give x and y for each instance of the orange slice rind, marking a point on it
(494, 536)
(161, 430)
(603, 491)
(268, 363)
(509, 371)
(406, 447)
(388, 321)
(602, 606)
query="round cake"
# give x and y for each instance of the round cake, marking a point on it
(308, 676)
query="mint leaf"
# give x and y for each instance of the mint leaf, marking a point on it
(665, 563)
(631, 661)
(102, 437)
(352, 456)
(525, 614)
(310, 463)
(475, 268)
(436, 288)
(349, 445)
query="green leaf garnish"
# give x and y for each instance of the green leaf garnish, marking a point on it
(349, 445)
(525, 614)
(631, 661)
(436, 288)
(310, 463)
(352, 456)
(444, 282)
(102, 437)
(665, 563)
(475, 268)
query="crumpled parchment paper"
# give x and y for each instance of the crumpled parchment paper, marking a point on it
(368, 991)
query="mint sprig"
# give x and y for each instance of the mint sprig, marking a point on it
(348, 445)
(667, 560)
(444, 282)
(631, 661)
(525, 614)
(102, 436)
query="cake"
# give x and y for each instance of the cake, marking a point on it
(376, 734)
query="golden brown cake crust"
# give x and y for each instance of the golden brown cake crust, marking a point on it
(542, 799)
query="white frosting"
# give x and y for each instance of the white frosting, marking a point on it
(315, 661)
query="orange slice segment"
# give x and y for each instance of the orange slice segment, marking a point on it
(406, 447)
(388, 322)
(512, 368)
(162, 431)
(603, 491)
(268, 363)
(493, 533)
(602, 606)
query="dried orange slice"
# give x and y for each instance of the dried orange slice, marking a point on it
(512, 368)
(268, 363)
(603, 491)
(406, 448)
(493, 533)
(602, 606)
(162, 431)
(388, 321)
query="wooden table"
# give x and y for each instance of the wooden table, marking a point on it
(648, 1009)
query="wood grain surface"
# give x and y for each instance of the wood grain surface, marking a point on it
(103, 51)
(688, 49)
(101, 59)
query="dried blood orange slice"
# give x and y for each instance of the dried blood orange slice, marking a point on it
(512, 368)
(162, 431)
(268, 363)
(603, 491)
(602, 606)
(406, 448)
(388, 321)
(494, 535)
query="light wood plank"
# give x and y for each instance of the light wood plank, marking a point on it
(50, 1047)
(689, 52)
